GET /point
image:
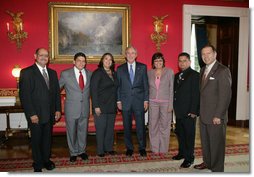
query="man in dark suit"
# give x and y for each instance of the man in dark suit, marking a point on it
(40, 98)
(215, 96)
(186, 107)
(133, 99)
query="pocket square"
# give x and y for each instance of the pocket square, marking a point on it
(211, 78)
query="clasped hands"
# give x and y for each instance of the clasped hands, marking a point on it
(35, 118)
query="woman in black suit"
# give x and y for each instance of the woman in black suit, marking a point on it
(104, 99)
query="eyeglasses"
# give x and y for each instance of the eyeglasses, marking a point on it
(43, 55)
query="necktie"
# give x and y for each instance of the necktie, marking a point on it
(179, 78)
(204, 76)
(81, 81)
(131, 74)
(45, 76)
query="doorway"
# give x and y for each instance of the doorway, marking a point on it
(223, 33)
(242, 96)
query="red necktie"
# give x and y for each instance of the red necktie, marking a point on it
(81, 81)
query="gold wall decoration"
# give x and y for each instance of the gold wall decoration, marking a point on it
(159, 36)
(18, 35)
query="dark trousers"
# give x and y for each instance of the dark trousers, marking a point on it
(185, 131)
(104, 125)
(213, 138)
(140, 128)
(41, 143)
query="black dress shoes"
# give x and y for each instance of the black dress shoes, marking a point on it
(73, 158)
(110, 152)
(101, 155)
(84, 156)
(201, 166)
(186, 164)
(142, 152)
(37, 170)
(177, 157)
(129, 152)
(49, 165)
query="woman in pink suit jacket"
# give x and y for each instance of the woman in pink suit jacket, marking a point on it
(161, 88)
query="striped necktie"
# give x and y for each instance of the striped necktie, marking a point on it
(45, 76)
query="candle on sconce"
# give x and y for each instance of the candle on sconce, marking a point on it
(166, 28)
(156, 28)
(21, 26)
(8, 26)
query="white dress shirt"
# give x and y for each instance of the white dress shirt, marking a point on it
(76, 71)
(133, 67)
(209, 67)
(41, 68)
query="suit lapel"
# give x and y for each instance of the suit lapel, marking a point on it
(87, 84)
(73, 78)
(39, 75)
(211, 73)
(137, 71)
(126, 71)
(184, 77)
(51, 81)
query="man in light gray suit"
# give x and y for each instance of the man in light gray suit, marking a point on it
(76, 82)
(215, 96)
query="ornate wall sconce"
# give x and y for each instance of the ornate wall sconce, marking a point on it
(18, 35)
(158, 36)
(16, 73)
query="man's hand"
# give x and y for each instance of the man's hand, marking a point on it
(192, 115)
(57, 115)
(146, 105)
(119, 105)
(216, 121)
(34, 119)
(97, 111)
(170, 109)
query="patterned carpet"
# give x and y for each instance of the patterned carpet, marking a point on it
(237, 160)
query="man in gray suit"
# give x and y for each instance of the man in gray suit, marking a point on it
(215, 96)
(132, 99)
(76, 82)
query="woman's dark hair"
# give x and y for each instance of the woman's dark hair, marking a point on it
(157, 55)
(79, 54)
(112, 67)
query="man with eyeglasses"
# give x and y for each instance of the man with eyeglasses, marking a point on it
(40, 98)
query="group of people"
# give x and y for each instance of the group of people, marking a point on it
(133, 90)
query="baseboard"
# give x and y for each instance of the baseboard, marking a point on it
(239, 123)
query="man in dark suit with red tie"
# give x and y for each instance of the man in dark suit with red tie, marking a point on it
(133, 99)
(40, 98)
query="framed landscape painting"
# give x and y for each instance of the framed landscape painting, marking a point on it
(93, 29)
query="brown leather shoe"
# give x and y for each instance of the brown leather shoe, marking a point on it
(201, 166)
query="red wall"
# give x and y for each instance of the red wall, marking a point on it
(36, 24)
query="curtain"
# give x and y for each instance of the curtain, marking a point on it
(201, 40)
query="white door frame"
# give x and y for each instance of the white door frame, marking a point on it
(242, 103)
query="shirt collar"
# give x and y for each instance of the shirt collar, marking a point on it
(41, 68)
(133, 64)
(209, 67)
(76, 70)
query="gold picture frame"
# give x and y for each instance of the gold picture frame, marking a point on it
(90, 28)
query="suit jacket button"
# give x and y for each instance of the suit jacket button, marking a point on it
(81, 101)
